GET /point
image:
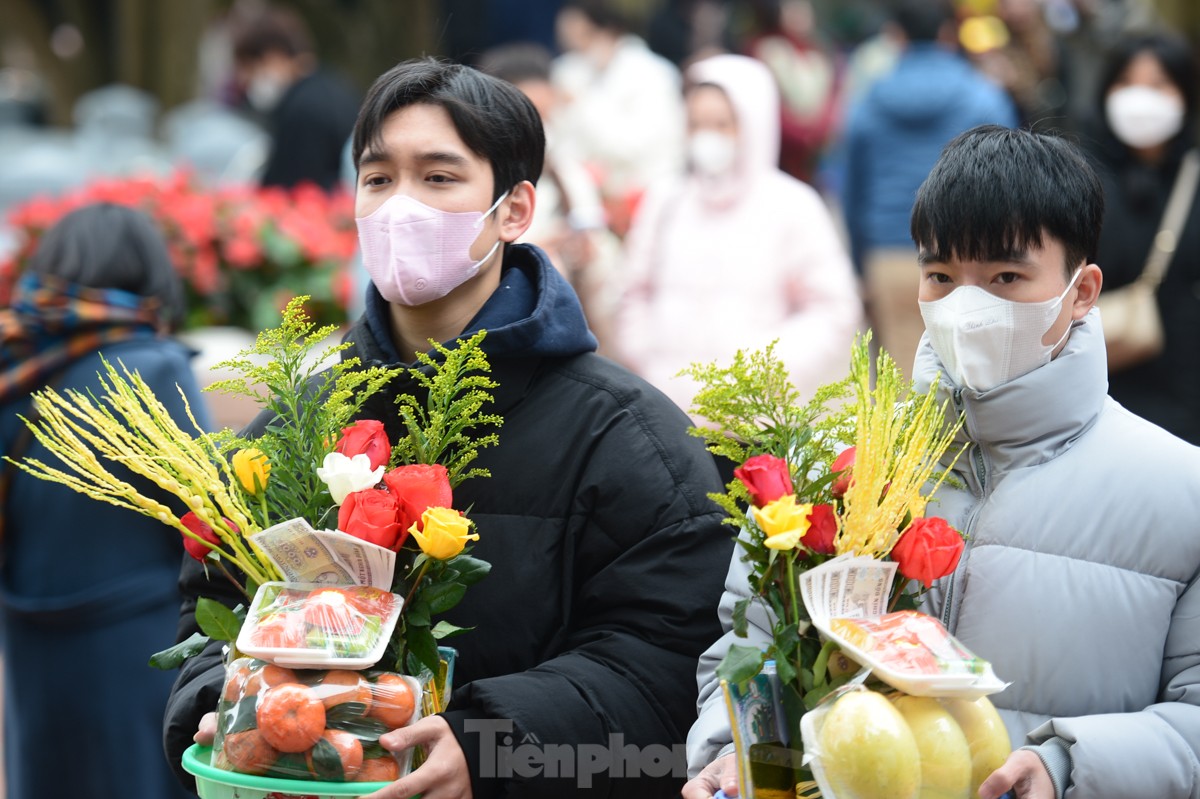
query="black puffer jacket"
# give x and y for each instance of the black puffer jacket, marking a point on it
(608, 559)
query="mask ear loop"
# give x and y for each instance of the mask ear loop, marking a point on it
(486, 214)
(1061, 297)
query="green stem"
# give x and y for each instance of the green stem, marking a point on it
(241, 589)
(262, 499)
(791, 588)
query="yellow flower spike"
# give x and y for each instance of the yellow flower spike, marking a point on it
(252, 469)
(784, 522)
(442, 533)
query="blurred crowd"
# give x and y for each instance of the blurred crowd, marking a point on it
(720, 174)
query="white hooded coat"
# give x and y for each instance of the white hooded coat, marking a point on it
(721, 264)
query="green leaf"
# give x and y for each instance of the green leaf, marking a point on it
(443, 596)
(417, 612)
(217, 621)
(173, 657)
(326, 762)
(470, 570)
(444, 629)
(423, 648)
(242, 716)
(784, 668)
(344, 712)
(740, 664)
(739, 616)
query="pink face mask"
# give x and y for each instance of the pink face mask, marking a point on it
(416, 254)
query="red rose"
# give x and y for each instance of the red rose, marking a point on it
(928, 550)
(366, 437)
(372, 515)
(194, 548)
(843, 463)
(766, 477)
(418, 487)
(822, 529)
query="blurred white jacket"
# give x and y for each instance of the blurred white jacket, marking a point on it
(718, 265)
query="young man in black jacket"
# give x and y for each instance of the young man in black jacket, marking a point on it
(607, 557)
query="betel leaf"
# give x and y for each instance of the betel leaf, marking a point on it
(739, 616)
(444, 629)
(326, 762)
(372, 750)
(740, 664)
(217, 621)
(443, 596)
(242, 716)
(345, 713)
(173, 657)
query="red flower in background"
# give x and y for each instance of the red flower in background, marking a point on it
(193, 523)
(766, 477)
(843, 466)
(928, 550)
(239, 249)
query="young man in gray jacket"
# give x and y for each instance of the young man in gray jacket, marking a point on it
(1078, 581)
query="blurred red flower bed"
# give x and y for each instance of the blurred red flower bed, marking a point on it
(243, 252)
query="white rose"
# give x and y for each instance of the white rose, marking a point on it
(346, 475)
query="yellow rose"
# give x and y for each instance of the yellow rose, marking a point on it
(444, 533)
(252, 470)
(783, 521)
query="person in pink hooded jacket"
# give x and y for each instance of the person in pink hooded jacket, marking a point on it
(736, 254)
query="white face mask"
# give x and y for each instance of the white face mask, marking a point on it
(985, 341)
(415, 253)
(264, 92)
(1143, 117)
(711, 153)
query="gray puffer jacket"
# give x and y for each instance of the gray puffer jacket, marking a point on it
(1078, 581)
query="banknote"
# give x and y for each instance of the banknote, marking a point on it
(305, 555)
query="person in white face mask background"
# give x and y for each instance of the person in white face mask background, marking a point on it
(308, 111)
(1146, 115)
(1079, 578)
(735, 254)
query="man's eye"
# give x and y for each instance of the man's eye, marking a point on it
(1007, 277)
(439, 179)
(374, 180)
(939, 277)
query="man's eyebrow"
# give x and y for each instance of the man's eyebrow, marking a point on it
(372, 155)
(925, 257)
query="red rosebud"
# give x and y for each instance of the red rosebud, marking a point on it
(928, 550)
(366, 437)
(418, 487)
(194, 548)
(822, 529)
(844, 464)
(372, 515)
(766, 477)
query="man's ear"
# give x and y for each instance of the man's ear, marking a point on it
(515, 214)
(1090, 281)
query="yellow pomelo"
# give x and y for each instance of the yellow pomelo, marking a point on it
(985, 734)
(867, 751)
(945, 756)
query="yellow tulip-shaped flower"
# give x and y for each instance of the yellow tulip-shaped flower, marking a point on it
(252, 469)
(784, 522)
(442, 533)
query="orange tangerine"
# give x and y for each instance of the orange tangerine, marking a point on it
(290, 717)
(393, 700)
(379, 769)
(249, 752)
(349, 750)
(339, 686)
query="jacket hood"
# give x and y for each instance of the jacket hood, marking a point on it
(534, 312)
(1037, 416)
(751, 90)
(923, 87)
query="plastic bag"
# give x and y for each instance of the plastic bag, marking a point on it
(303, 625)
(861, 744)
(313, 724)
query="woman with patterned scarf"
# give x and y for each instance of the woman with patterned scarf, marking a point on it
(87, 590)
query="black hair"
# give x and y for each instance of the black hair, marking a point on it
(493, 118)
(1172, 52)
(921, 20)
(604, 14)
(108, 246)
(995, 192)
(276, 30)
(517, 62)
